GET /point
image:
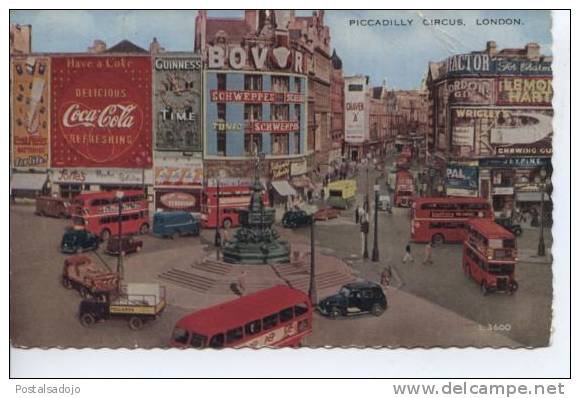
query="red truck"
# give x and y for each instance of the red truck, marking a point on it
(404, 189)
(90, 279)
(52, 206)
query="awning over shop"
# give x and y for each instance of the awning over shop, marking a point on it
(28, 181)
(531, 197)
(302, 182)
(283, 188)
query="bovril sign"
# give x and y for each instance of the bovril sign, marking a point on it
(261, 58)
(178, 200)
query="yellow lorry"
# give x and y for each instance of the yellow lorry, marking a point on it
(341, 194)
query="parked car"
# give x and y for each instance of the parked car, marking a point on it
(90, 279)
(52, 206)
(78, 240)
(355, 298)
(175, 223)
(296, 218)
(508, 224)
(128, 245)
(326, 213)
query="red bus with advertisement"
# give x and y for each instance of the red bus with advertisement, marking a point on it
(98, 212)
(276, 317)
(404, 189)
(443, 219)
(490, 256)
(232, 199)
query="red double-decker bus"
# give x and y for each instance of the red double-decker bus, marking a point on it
(276, 317)
(404, 189)
(98, 212)
(443, 219)
(232, 199)
(490, 256)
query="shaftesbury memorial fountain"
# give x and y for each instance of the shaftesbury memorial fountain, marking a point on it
(256, 241)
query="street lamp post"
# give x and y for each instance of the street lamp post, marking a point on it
(312, 289)
(217, 237)
(543, 183)
(375, 256)
(120, 272)
(366, 204)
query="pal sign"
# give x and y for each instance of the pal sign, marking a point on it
(237, 58)
(462, 176)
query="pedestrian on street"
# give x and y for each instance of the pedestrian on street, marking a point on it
(242, 283)
(357, 214)
(364, 230)
(428, 254)
(408, 256)
(386, 276)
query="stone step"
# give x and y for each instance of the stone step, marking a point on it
(212, 268)
(188, 280)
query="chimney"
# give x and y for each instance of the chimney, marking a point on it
(200, 31)
(98, 47)
(533, 51)
(20, 39)
(251, 18)
(491, 48)
(155, 47)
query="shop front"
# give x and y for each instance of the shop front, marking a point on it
(512, 182)
(178, 184)
(28, 185)
(69, 182)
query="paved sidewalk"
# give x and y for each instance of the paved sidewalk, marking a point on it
(409, 322)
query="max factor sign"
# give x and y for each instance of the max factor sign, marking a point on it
(237, 57)
(466, 64)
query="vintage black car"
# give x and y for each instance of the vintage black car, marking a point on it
(508, 224)
(78, 240)
(296, 218)
(355, 298)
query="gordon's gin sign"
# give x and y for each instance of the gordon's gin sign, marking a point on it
(101, 112)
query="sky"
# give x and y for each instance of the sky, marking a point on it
(397, 53)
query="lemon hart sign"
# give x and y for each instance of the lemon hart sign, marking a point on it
(101, 112)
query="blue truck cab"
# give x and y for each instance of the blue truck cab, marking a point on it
(175, 223)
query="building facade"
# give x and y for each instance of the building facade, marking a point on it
(411, 107)
(82, 121)
(256, 97)
(491, 124)
(337, 109)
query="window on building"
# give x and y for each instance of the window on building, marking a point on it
(253, 82)
(221, 81)
(297, 114)
(252, 144)
(296, 138)
(280, 84)
(221, 143)
(69, 191)
(280, 144)
(221, 111)
(297, 84)
(252, 112)
(280, 112)
(355, 87)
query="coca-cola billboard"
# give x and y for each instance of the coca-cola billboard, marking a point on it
(101, 112)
